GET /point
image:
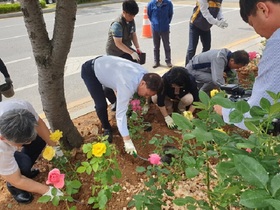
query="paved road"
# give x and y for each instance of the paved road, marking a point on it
(90, 38)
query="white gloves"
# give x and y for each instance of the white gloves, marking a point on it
(169, 121)
(58, 193)
(135, 56)
(8, 80)
(146, 108)
(58, 151)
(222, 23)
(129, 147)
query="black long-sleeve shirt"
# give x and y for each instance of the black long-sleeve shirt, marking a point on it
(189, 86)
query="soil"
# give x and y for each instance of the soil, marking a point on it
(131, 181)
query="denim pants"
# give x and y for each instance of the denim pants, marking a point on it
(95, 88)
(28, 155)
(157, 36)
(194, 34)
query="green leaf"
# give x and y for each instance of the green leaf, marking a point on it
(251, 170)
(254, 198)
(44, 199)
(251, 126)
(235, 116)
(275, 184)
(275, 108)
(274, 203)
(242, 106)
(191, 172)
(256, 111)
(180, 201)
(181, 121)
(81, 169)
(224, 102)
(244, 145)
(140, 169)
(204, 98)
(202, 135)
(188, 136)
(265, 104)
(95, 167)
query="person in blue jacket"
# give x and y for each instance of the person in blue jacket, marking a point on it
(160, 13)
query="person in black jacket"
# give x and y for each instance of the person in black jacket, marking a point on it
(179, 86)
(6, 74)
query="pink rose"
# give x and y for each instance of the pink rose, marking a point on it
(56, 178)
(154, 159)
(135, 102)
(252, 55)
(248, 150)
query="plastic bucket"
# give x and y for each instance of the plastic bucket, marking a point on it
(7, 90)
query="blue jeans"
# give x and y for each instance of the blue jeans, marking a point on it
(95, 88)
(28, 155)
(194, 34)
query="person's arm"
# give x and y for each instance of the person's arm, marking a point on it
(44, 132)
(21, 182)
(135, 40)
(3, 69)
(205, 12)
(122, 46)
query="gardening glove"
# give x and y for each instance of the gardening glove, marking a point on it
(135, 56)
(146, 108)
(49, 193)
(222, 23)
(129, 147)
(170, 123)
(58, 151)
(8, 80)
(138, 50)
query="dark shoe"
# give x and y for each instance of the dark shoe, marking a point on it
(114, 107)
(108, 133)
(34, 173)
(156, 65)
(169, 64)
(20, 196)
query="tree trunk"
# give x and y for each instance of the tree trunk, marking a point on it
(50, 56)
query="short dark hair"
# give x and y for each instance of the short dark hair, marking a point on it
(153, 81)
(130, 7)
(240, 57)
(248, 7)
(18, 126)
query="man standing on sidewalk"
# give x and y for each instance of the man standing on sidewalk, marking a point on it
(160, 13)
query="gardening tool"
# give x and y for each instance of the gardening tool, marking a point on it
(136, 155)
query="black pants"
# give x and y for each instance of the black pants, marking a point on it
(97, 92)
(28, 155)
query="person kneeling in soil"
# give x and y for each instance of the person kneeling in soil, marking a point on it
(125, 78)
(23, 136)
(178, 86)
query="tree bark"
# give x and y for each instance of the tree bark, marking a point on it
(50, 56)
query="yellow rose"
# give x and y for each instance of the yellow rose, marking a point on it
(220, 129)
(213, 92)
(56, 135)
(98, 149)
(188, 115)
(48, 153)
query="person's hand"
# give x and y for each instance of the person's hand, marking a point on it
(129, 147)
(138, 50)
(222, 23)
(218, 109)
(55, 193)
(58, 151)
(8, 80)
(135, 56)
(170, 123)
